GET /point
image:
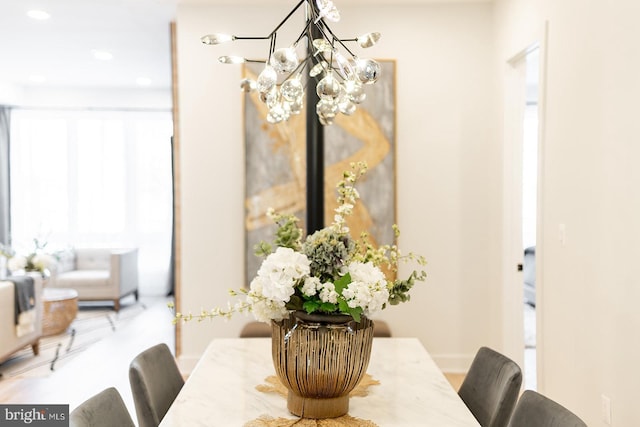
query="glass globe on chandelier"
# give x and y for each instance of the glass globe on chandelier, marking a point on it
(338, 73)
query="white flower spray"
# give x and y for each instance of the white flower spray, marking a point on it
(326, 273)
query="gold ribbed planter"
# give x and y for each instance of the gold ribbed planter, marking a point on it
(320, 359)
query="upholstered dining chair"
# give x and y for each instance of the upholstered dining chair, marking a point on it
(535, 410)
(155, 382)
(491, 387)
(105, 409)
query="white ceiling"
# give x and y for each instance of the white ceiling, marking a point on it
(59, 49)
(136, 32)
(338, 3)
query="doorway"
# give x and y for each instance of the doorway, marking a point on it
(522, 177)
(530, 125)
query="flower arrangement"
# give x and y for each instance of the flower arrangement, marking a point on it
(38, 260)
(6, 251)
(328, 272)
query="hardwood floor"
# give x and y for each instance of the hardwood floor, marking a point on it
(104, 364)
(455, 380)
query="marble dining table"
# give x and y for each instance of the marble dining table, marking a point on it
(224, 388)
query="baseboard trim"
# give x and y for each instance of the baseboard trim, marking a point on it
(186, 364)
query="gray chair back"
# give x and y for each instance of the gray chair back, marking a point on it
(491, 387)
(105, 409)
(256, 329)
(155, 382)
(536, 410)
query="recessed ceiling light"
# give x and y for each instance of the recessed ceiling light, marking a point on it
(40, 15)
(36, 79)
(143, 81)
(102, 55)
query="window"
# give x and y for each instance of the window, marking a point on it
(94, 179)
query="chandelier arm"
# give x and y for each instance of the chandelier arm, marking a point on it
(302, 33)
(314, 57)
(333, 41)
(325, 26)
(310, 42)
(324, 35)
(340, 68)
(302, 64)
(311, 12)
(315, 80)
(272, 46)
(251, 37)
(286, 18)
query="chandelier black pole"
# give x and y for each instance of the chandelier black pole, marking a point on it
(339, 76)
(315, 153)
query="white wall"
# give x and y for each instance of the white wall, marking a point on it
(590, 295)
(112, 98)
(448, 166)
(9, 94)
(79, 98)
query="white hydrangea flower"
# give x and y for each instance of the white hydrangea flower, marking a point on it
(17, 262)
(365, 272)
(368, 287)
(281, 271)
(328, 293)
(42, 261)
(357, 294)
(379, 297)
(264, 309)
(311, 286)
(256, 285)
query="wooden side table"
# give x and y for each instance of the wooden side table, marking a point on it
(59, 309)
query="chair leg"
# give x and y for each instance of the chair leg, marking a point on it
(116, 305)
(36, 348)
(135, 294)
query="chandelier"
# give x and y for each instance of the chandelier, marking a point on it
(339, 74)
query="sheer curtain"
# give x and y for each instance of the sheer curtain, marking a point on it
(5, 218)
(95, 179)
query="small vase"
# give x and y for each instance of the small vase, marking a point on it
(320, 359)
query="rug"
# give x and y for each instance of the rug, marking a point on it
(274, 385)
(92, 324)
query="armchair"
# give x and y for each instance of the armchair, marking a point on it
(99, 274)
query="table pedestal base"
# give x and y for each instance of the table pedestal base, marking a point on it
(60, 307)
(317, 408)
